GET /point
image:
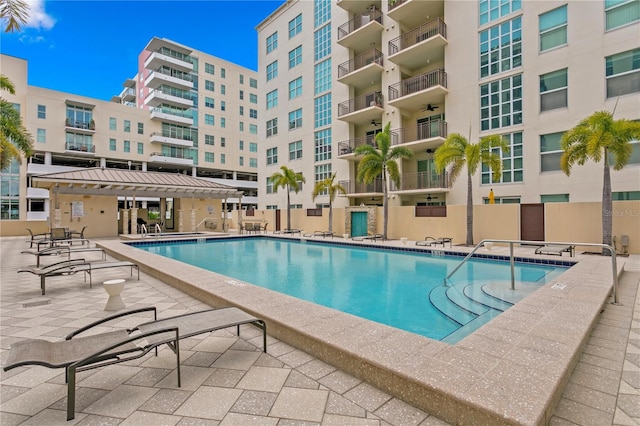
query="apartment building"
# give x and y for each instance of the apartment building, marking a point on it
(526, 70)
(184, 112)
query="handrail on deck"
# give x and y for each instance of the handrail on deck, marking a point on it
(614, 265)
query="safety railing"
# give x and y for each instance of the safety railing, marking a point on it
(611, 250)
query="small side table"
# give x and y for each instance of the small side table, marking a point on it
(114, 288)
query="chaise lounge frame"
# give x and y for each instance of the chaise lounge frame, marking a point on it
(556, 250)
(430, 241)
(63, 249)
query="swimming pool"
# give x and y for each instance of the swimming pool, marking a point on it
(400, 289)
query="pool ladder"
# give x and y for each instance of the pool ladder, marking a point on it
(512, 259)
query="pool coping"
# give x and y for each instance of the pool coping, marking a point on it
(512, 370)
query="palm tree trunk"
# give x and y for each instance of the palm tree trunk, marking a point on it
(469, 211)
(330, 216)
(385, 206)
(607, 205)
(288, 208)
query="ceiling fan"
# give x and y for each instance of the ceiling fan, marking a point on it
(375, 123)
(430, 107)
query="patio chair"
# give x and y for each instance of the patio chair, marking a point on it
(556, 249)
(373, 237)
(36, 238)
(76, 354)
(61, 250)
(78, 235)
(430, 241)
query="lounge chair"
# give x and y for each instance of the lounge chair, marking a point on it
(323, 234)
(79, 235)
(374, 237)
(73, 266)
(76, 354)
(556, 249)
(430, 241)
(288, 231)
(62, 250)
(36, 238)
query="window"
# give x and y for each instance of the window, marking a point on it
(241, 160)
(272, 99)
(223, 158)
(253, 98)
(625, 196)
(553, 28)
(209, 68)
(223, 73)
(209, 119)
(253, 147)
(208, 157)
(209, 139)
(272, 127)
(295, 57)
(322, 141)
(253, 83)
(112, 144)
(621, 12)
(322, 42)
(295, 26)
(241, 145)
(295, 88)
(550, 152)
(209, 102)
(241, 111)
(269, 186)
(241, 95)
(127, 126)
(322, 110)
(241, 126)
(322, 77)
(223, 122)
(623, 73)
(112, 123)
(501, 103)
(321, 12)
(253, 162)
(223, 142)
(210, 85)
(501, 47)
(78, 142)
(241, 78)
(253, 129)
(127, 146)
(512, 163)
(295, 119)
(10, 192)
(272, 70)
(322, 172)
(42, 111)
(140, 148)
(272, 156)
(223, 89)
(554, 198)
(253, 113)
(41, 136)
(141, 128)
(272, 42)
(223, 106)
(490, 10)
(553, 90)
(295, 150)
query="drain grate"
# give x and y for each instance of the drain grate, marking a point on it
(37, 303)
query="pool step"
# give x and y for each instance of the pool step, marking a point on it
(476, 292)
(458, 295)
(440, 300)
(470, 327)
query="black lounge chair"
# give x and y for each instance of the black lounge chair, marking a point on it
(76, 354)
(36, 238)
(430, 241)
(62, 250)
(374, 237)
(73, 266)
(556, 249)
(323, 234)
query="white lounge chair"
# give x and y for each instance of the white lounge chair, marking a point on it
(556, 249)
(430, 241)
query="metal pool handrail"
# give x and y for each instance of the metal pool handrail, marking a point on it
(511, 258)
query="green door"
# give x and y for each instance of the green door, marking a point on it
(358, 224)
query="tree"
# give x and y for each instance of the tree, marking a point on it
(381, 161)
(457, 152)
(289, 180)
(14, 137)
(332, 189)
(600, 138)
(15, 13)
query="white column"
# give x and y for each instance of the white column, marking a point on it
(47, 158)
(144, 166)
(103, 163)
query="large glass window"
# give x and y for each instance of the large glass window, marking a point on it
(321, 12)
(295, 88)
(10, 192)
(295, 26)
(501, 103)
(272, 70)
(322, 77)
(553, 90)
(295, 119)
(79, 142)
(550, 152)
(621, 12)
(321, 172)
(322, 42)
(512, 165)
(295, 150)
(272, 156)
(272, 42)
(623, 73)
(79, 117)
(272, 127)
(322, 110)
(322, 143)
(295, 57)
(272, 99)
(490, 10)
(501, 47)
(553, 28)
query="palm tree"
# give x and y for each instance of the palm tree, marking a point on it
(14, 137)
(291, 181)
(381, 161)
(332, 189)
(457, 152)
(15, 12)
(600, 138)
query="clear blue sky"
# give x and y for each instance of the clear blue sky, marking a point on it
(90, 48)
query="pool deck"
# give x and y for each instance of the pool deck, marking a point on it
(328, 367)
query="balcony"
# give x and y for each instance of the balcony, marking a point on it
(172, 78)
(85, 127)
(355, 188)
(411, 13)
(347, 148)
(158, 97)
(416, 92)
(179, 157)
(361, 109)
(420, 46)
(355, 6)
(79, 148)
(360, 71)
(184, 140)
(157, 60)
(365, 28)
(421, 137)
(128, 94)
(170, 115)
(416, 183)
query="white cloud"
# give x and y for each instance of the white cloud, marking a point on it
(38, 17)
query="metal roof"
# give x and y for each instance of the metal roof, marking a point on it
(98, 181)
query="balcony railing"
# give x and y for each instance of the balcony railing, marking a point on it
(347, 147)
(432, 129)
(415, 36)
(184, 94)
(178, 154)
(416, 84)
(183, 136)
(186, 113)
(173, 73)
(81, 147)
(360, 102)
(395, 3)
(421, 180)
(360, 61)
(355, 187)
(359, 21)
(84, 125)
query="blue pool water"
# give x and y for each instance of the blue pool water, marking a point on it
(387, 286)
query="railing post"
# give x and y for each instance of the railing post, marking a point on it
(511, 259)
